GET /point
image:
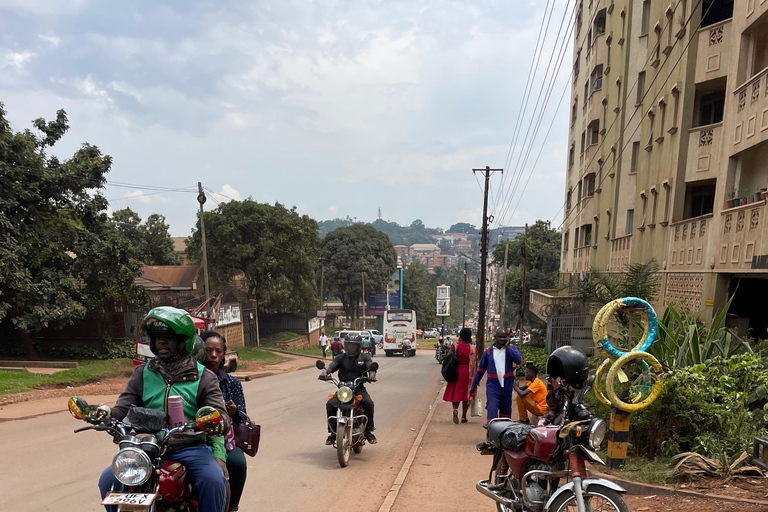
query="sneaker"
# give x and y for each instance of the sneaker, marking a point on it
(331, 439)
(370, 438)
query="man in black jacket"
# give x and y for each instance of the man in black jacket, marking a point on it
(351, 365)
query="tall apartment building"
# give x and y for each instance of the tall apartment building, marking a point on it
(668, 150)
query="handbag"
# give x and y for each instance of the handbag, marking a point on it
(475, 407)
(247, 436)
(450, 369)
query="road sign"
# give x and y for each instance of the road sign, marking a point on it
(497, 317)
(321, 314)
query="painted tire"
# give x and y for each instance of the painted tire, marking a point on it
(610, 390)
(597, 387)
(600, 327)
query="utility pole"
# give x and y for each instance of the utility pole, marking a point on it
(201, 199)
(503, 288)
(363, 276)
(322, 291)
(525, 269)
(481, 327)
(464, 304)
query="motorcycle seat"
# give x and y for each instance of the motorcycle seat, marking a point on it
(508, 435)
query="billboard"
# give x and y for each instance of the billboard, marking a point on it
(377, 302)
(443, 307)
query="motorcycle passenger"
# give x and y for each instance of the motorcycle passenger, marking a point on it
(172, 338)
(351, 365)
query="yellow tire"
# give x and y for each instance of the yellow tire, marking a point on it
(610, 390)
(598, 386)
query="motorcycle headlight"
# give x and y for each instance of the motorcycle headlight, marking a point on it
(131, 466)
(596, 434)
(344, 394)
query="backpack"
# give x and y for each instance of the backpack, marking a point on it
(450, 369)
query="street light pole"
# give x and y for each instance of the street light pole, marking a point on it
(201, 199)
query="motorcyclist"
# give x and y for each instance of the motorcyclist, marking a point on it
(351, 365)
(174, 371)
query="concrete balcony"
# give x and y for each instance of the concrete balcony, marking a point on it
(706, 152)
(546, 303)
(743, 239)
(715, 51)
(620, 252)
(581, 257)
(688, 244)
(751, 107)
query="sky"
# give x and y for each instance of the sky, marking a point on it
(336, 107)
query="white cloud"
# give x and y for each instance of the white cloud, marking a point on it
(146, 198)
(226, 194)
(14, 59)
(50, 38)
(333, 211)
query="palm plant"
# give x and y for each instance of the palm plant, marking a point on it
(600, 288)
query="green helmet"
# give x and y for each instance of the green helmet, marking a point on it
(168, 319)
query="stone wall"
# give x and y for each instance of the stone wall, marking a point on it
(293, 344)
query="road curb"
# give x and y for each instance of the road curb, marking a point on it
(641, 489)
(394, 491)
(278, 351)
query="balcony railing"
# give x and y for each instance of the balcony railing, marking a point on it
(688, 243)
(705, 150)
(713, 46)
(620, 251)
(743, 237)
(581, 259)
(751, 126)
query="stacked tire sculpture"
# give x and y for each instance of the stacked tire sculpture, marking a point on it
(616, 358)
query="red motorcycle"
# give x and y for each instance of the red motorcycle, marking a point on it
(149, 483)
(542, 468)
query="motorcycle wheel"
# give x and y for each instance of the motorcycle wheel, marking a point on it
(501, 469)
(342, 448)
(596, 498)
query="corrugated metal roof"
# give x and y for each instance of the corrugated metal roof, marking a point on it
(177, 277)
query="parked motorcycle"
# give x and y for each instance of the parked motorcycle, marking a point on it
(542, 468)
(148, 483)
(350, 421)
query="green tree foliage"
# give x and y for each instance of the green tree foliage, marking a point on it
(419, 294)
(416, 233)
(463, 227)
(347, 254)
(326, 226)
(151, 240)
(61, 256)
(543, 246)
(276, 250)
(454, 277)
(600, 288)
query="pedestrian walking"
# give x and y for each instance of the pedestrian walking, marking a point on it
(323, 343)
(466, 364)
(531, 396)
(499, 360)
(336, 348)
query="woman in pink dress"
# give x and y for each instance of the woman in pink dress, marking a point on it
(466, 359)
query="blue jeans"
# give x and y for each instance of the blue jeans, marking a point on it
(210, 484)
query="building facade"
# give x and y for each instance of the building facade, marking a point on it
(668, 150)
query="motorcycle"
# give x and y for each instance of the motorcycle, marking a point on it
(350, 420)
(530, 462)
(148, 483)
(441, 351)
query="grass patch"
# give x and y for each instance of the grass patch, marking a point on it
(638, 469)
(283, 336)
(88, 371)
(259, 355)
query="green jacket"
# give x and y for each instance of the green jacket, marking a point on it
(150, 386)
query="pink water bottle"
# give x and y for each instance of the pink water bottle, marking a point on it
(175, 411)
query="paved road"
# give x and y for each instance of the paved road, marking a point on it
(47, 467)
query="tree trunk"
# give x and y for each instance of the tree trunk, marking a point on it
(28, 344)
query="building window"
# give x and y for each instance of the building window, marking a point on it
(599, 173)
(630, 222)
(608, 229)
(670, 13)
(667, 199)
(699, 200)
(586, 93)
(635, 157)
(712, 107)
(651, 120)
(618, 96)
(640, 87)
(655, 195)
(568, 201)
(644, 198)
(657, 48)
(576, 239)
(605, 114)
(589, 181)
(571, 156)
(662, 116)
(578, 22)
(600, 23)
(577, 65)
(586, 233)
(594, 132)
(565, 241)
(578, 192)
(608, 56)
(646, 20)
(583, 141)
(573, 110)
(597, 229)
(597, 78)
(623, 25)
(675, 109)
(613, 161)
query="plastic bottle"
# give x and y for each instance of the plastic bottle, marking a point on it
(175, 411)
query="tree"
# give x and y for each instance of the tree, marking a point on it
(600, 288)
(275, 249)
(350, 252)
(463, 227)
(151, 241)
(61, 256)
(454, 277)
(419, 295)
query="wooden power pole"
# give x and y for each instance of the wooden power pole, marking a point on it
(525, 269)
(484, 259)
(201, 199)
(464, 304)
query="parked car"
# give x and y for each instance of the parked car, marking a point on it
(378, 338)
(431, 333)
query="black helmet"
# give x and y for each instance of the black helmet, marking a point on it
(570, 365)
(353, 345)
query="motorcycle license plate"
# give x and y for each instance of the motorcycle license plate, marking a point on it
(120, 498)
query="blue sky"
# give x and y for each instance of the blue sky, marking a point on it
(336, 107)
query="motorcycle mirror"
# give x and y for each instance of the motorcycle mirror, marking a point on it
(374, 367)
(209, 420)
(320, 364)
(78, 407)
(590, 382)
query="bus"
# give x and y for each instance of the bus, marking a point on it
(399, 325)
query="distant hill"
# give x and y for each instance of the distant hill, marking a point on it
(416, 233)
